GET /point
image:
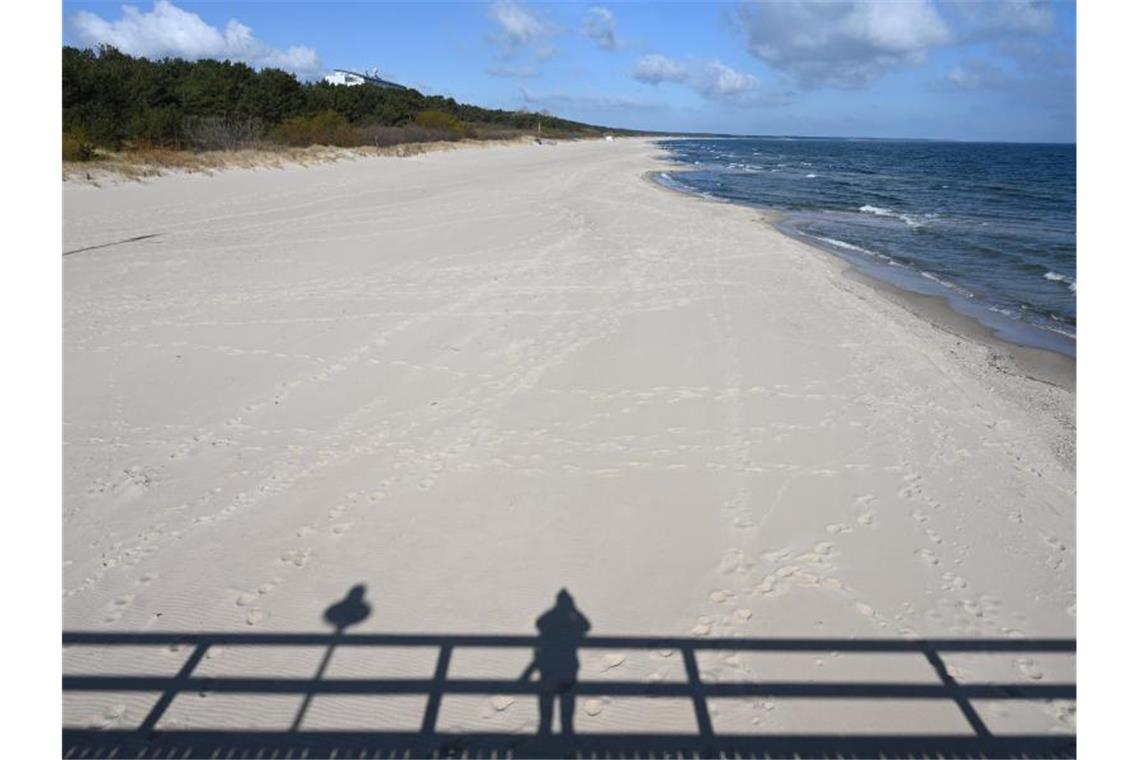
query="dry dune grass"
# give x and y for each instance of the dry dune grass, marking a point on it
(139, 164)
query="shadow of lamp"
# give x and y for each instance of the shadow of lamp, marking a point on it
(349, 611)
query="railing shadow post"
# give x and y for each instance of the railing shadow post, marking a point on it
(697, 689)
(431, 712)
(168, 695)
(961, 700)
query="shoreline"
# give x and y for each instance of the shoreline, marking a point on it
(1030, 346)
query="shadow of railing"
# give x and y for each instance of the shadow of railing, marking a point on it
(150, 740)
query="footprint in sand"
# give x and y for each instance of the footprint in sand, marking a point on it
(256, 616)
(927, 556)
(501, 702)
(1065, 713)
(611, 661)
(806, 579)
(933, 536)
(735, 561)
(113, 714)
(296, 557)
(246, 598)
(593, 707)
(703, 627)
(836, 528)
(950, 581)
(117, 607)
(341, 528)
(720, 597)
(1029, 668)
(743, 614)
(866, 519)
(970, 607)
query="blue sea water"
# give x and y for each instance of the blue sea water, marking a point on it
(991, 227)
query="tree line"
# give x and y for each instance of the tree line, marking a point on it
(113, 100)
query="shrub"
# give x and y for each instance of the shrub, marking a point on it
(325, 128)
(441, 121)
(76, 146)
(409, 133)
(218, 133)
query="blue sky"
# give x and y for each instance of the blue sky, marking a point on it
(952, 69)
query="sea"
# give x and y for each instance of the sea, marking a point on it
(989, 227)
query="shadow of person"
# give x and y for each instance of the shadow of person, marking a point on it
(350, 610)
(561, 630)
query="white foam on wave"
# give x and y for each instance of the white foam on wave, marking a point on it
(907, 219)
(1056, 325)
(948, 285)
(1054, 277)
(812, 176)
(1067, 332)
(844, 245)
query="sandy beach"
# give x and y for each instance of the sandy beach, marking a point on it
(469, 380)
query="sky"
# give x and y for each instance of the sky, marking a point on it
(1002, 70)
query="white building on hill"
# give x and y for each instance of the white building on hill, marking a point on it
(351, 79)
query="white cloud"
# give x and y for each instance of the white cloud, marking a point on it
(520, 27)
(842, 44)
(654, 69)
(1005, 16)
(717, 81)
(167, 30)
(600, 27)
(963, 76)
(713, 79)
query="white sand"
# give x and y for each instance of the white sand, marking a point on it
(468, 380)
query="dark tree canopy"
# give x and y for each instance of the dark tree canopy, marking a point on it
(111, 99)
